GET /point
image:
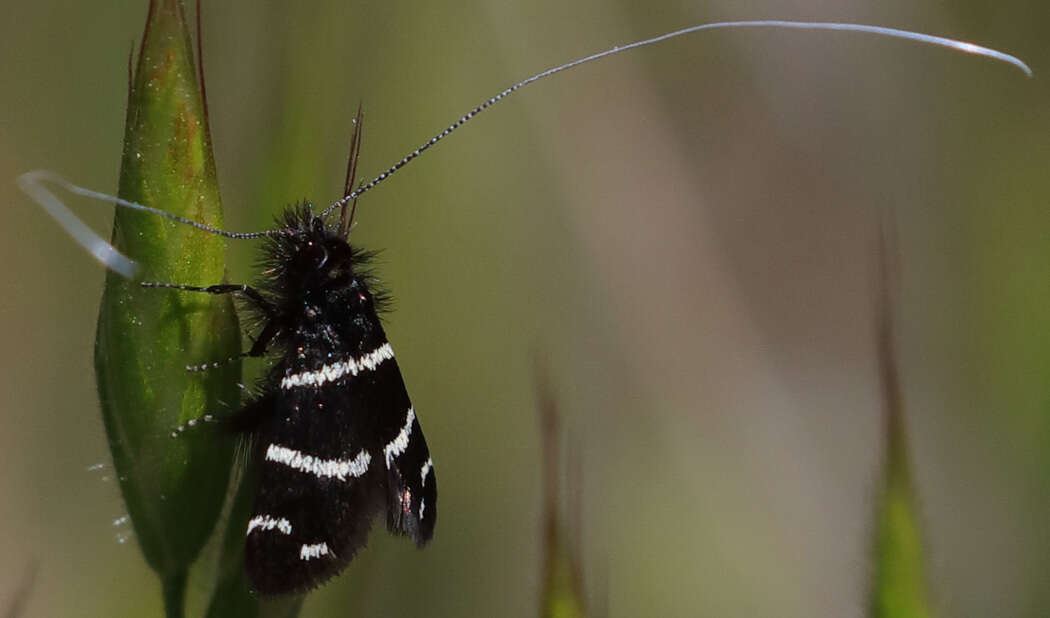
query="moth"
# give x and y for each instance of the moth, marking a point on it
(334, 431)
(336, 436)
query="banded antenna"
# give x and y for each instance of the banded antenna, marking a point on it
(929, 39)
(32, 183)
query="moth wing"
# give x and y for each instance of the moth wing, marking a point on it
(332, 457)
(410, 479)
(320, 486)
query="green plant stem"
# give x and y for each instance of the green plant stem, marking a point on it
(174, 595)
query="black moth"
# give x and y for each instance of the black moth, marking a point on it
(335, 432)
(333, 427)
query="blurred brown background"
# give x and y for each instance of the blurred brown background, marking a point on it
(685, 233)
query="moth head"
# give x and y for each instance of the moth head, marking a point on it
(313, 256)
(338, 269)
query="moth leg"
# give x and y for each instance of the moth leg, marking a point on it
(267, 335)
(193, 422)
(205, 418)
(216, 364)
(258, 349)
(244, 420)
(222, 288)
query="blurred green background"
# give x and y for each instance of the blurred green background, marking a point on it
(685, 235)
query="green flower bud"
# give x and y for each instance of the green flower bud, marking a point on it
(174, 488)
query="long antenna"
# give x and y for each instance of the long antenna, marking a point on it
(32, 183)
(954, 44)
